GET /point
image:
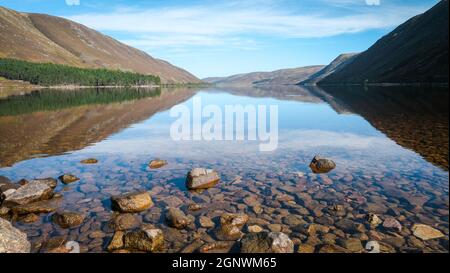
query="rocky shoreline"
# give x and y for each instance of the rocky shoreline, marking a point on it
(276, 213)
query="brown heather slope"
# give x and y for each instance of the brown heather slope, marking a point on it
(45, 38)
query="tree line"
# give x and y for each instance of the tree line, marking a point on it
(48, 74)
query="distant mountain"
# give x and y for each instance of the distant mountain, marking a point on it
(44, 38)
(279, 77)
(415, 52)
(336, 65)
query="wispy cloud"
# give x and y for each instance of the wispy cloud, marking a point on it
(233, 23)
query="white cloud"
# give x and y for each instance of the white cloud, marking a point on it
(218, 24)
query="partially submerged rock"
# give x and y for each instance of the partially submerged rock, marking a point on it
(146, 239)
(45, 206)
(34, 191)
(426, 233)
(322, 165)
(6, 184)
(12, 240)
(157, 163)
(89, 161)
(51, 182)
(68, 178)
(231, 226)
(68, 219)
(116, 241)
(265, 242)
(177, 219)
(132, 202)
(200, 178)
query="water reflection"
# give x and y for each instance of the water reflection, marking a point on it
(415, 118)
(371, 134)
(54, 122)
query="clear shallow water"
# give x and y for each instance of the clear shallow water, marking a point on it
(390, 146)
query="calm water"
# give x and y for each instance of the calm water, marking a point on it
(390, 146)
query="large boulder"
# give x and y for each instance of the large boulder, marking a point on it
(200, 178)
(12, 240)
(35, 190)
(132, 202)
(265, 242)
(322, 165)
(146, 239)
(231, 226)
(177, 219)
(51, 182)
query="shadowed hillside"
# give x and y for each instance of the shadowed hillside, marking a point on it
(415, 52)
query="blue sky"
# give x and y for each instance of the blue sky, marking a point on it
(225, 37)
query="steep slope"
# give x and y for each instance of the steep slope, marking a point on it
(279, 77)
(44, 38)
(415, 52)
(336, 65)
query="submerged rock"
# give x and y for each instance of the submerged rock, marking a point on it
(255, 229)
(200, 178)
(426, 233)
(157, 163)
(373, 220)
(29, 218)
(146, 239)
(177, 219)
(125, 221)
(321, 165)
(12, 240)
(353, 244)
(206, 222)
(132, 202)
(68, 178)
(333, 249)
(68, 219)
(231, 226)
(217, 247)
(265, 242)
(31, 192)
(392, 223)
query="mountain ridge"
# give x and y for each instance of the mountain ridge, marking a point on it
(288, 76)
